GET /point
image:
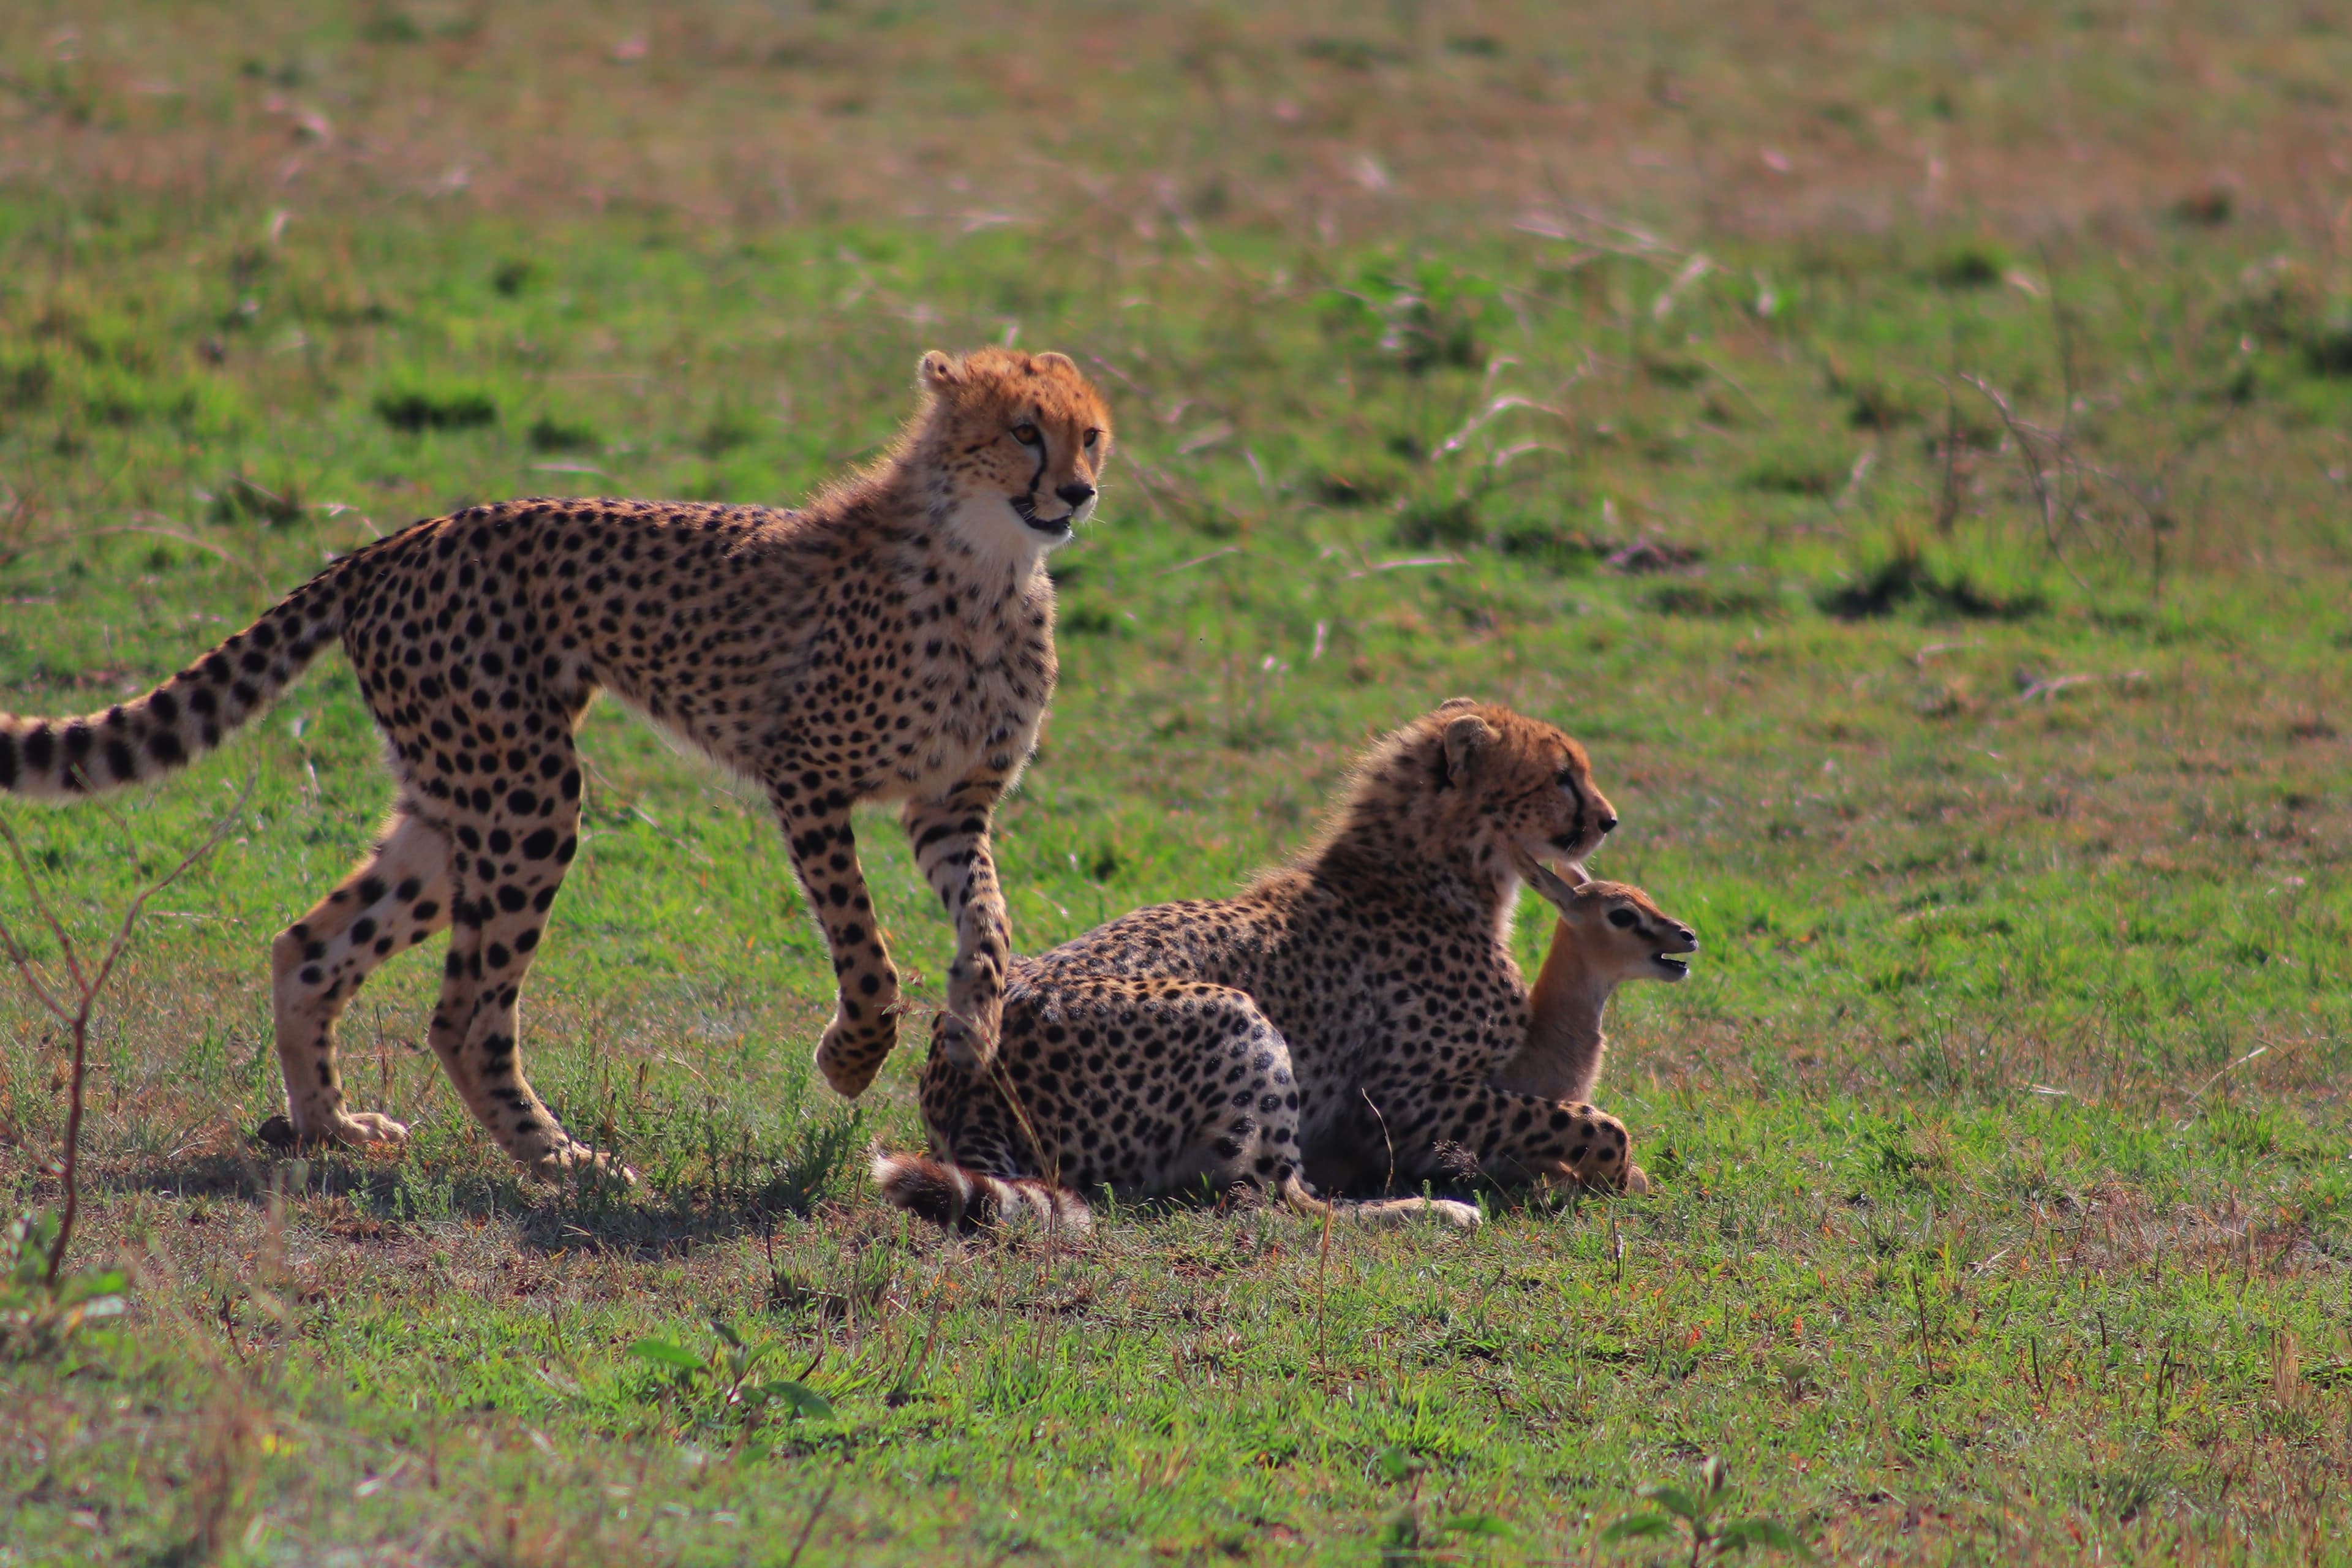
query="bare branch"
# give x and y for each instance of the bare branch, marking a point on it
(88, 988)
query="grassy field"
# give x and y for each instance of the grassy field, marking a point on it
(1911, 453)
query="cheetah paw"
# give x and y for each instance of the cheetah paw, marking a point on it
(345, 1129)
(851, 1054)
(1637, 1182)
(579, 1157)
(965, 1045)
(1459, 1215)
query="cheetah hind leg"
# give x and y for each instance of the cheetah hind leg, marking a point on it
(389, 901)
(506, 874)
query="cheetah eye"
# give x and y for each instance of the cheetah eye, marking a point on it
(1027, 435)
(1567, 779)
(1622, 919)
(1090, 438)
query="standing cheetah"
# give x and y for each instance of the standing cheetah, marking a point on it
(1336, 1022)
(891, 641)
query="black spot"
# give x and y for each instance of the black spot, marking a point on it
(527, 941)
(501, 839)
(407, 890)
(78, 740)
(371, 889)
(498, 956)
(511, 898)
(540, 845)
(361, 930)
(166, 748)
(425, 912)
(164, 707)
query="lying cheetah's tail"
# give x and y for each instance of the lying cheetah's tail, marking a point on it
(965, 1199)
(185, 717)
(1378, 1211)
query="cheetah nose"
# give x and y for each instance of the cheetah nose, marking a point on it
(1608, 824)
(1077, 492)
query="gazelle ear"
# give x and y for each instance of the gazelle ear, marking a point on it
(1551, 887)
(1465, 738)
(936, 371)
(1577, 875)
(1453, 702)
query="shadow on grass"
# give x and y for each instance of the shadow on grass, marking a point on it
(739, 1195)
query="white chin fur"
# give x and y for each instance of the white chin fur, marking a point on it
(989, 524)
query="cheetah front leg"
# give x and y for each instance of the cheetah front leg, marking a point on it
(865, 1024)
(950, 839)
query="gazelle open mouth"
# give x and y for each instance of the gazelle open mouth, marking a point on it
(1677, 967)
(1052, 527)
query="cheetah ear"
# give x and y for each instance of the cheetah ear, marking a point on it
(1465, 738)
(1053, 360)
(938, 371)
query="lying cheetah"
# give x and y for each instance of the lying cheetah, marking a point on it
(891, 641)
(1607, 933)
(1335, 1024)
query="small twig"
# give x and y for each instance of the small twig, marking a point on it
(88, 985)
(809, 1527)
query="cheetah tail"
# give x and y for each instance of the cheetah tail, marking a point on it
(965, 1199)
(1378, 1211)
(185, 717)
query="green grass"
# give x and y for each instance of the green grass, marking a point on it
(2003, 1204)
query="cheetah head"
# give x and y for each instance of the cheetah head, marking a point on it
(1620, 929)
(1477, 783)
(1016, 443)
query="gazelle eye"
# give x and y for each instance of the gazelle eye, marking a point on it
(1621, 918)
(1027, 435)
(1090, 437)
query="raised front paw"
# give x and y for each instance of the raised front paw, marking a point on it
(852, 1050)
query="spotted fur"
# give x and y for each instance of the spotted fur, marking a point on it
(1335, 1024)
(892, 641)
